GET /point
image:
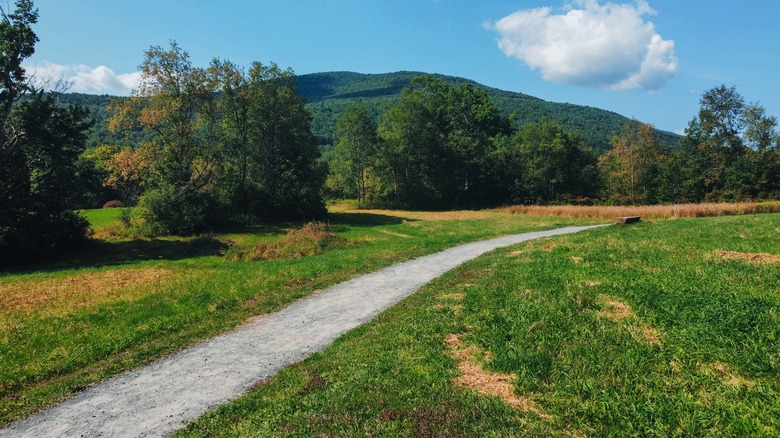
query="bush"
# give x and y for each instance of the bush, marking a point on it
(40, 236)
(168, 210)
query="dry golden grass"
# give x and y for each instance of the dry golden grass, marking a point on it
(477, 379)
(310, 239)
(646, 211)
(86, 289)
(757, 258)
(417, 215)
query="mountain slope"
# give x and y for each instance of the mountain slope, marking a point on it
(329, 94)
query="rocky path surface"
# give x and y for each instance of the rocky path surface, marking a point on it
(159, 399)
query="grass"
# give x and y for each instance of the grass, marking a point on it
(652, 329)
(674, 211)
(120, 304)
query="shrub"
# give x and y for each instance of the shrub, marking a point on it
(168, 210)
(313, 238)
(115, 203)
(41, 236)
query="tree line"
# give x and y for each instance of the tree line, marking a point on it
(224, 144)
(446, 146)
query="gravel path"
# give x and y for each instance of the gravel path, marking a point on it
(166, 395)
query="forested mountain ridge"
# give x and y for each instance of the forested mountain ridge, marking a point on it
(329, 94)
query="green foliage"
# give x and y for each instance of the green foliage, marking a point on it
(632, 169)
(730, 153)
(355, 155)
(40, 143)
(555, 166)
(437, 146)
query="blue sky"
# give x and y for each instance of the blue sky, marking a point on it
(650, 60)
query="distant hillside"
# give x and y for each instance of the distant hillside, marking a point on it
(330, 94)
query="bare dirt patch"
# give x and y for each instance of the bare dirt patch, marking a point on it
(619, 311)
(84, 289)
(477, 379)
(756, 258)
(727, 374)
(615, 309)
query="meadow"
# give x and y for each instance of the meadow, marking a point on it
(121, 303)
(666, 327)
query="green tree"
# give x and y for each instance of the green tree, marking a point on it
(356, 149)
(175, 101)
(271, 156)
(438, 146)
(555, 165)
(727, 154)
(39, 145)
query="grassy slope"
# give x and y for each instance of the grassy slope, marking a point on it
(636, 330)
(121, 304)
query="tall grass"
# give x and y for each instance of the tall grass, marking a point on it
(674, 211)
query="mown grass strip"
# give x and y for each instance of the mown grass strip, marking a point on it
(641, 330)
(72, 322)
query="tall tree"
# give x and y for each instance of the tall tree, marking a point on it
(271, 161)
(175, 101)
(39, 145)
(555, 165)
(17, 43)
(439, 143)
(631, 168)
(728, 152)
(356, 149)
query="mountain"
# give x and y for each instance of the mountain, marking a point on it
(328, 95)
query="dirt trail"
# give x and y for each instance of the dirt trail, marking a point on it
(166, 395)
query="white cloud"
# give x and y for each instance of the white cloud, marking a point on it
(86, 79)
(609, 46)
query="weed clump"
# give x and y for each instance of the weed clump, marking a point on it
(311, 239)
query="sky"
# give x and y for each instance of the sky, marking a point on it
(646, 59)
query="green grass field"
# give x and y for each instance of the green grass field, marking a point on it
(655, 329)
(119, 304)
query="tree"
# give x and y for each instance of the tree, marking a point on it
(271, 157)
(555, 165)
(17, 43)
(356, 149)
(631, 168)
(175, 101)
(728, 153)
(438, 143)
(39, 145)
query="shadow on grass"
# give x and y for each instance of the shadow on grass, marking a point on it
(340, 220)
(101, 253)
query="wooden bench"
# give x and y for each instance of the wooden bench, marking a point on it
(626, 220)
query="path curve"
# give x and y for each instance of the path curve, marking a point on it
(162, 397)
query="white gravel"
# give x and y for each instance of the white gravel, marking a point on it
(159, 399)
